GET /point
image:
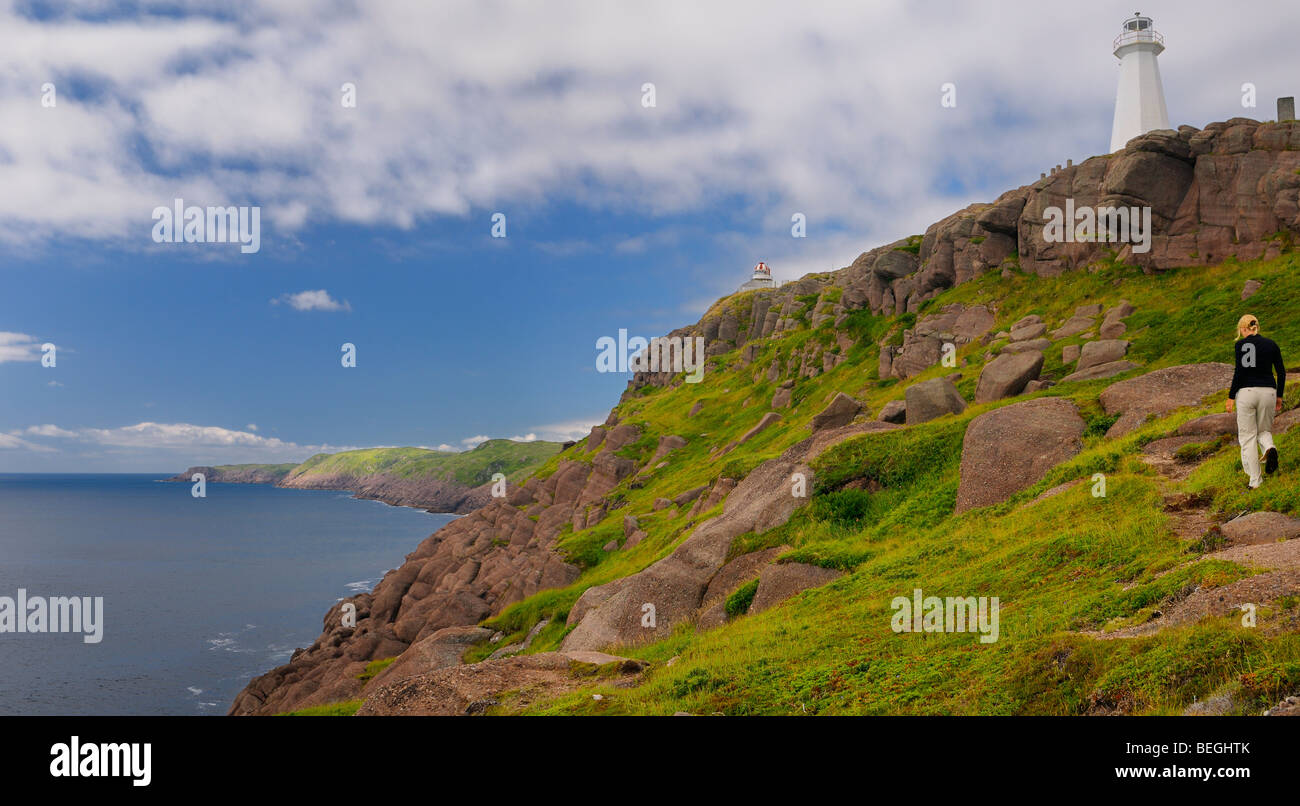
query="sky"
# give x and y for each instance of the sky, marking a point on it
(382, 142)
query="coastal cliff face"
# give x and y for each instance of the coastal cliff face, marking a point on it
(1231, 189)
(437, 481)
(433, 495)
(467, 571)
(429, 494)
(683, 498)
(238, 474)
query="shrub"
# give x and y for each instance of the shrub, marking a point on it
(738, 602)
(842, 507)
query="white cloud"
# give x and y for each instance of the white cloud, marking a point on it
(318, 300)
(12, 442)
(19, 347)
(185, 443)
(552, 432)
(46, 431)
(151, 446)
(829, 109)
(569, 430)
(178, 435)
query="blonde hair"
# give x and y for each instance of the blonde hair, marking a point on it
(1246, 324)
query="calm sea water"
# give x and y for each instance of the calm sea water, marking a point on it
(199, 594)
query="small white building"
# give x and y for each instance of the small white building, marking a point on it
(1140, 100)
(762, 278)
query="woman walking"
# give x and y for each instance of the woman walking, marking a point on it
(1257, 396)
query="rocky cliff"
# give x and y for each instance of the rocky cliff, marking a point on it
(437, 481)
(1231, 189)
(468, 570)
(237, 474)
(689, 507)
(433, 495)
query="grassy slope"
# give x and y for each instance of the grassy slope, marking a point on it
(279, 470)
(470, 468)
(1070, 563)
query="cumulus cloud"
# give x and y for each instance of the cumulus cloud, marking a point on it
(563, 431)
(19, 347)
(318, 300)
(829, 109)
(552, 432)
(46, 431)
(180, 442)
(12, 442)
(156, 446)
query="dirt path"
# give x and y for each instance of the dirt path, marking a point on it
(1191, 519)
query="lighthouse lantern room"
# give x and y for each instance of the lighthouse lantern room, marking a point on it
(762, 278)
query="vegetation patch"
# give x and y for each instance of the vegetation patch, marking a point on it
(739, 601)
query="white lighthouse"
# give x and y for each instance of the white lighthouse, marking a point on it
(762, 278)
(1140, 101)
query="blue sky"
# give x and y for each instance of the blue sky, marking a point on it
(618, 215)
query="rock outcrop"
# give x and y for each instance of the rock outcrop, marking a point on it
(1007, 375)
(1216, 192)
(1100, 371)
(1011, 448)
(647, 605)
(1261, 527)
(473, 689)
(838, 413)
(1104, 351)
(931, 399)
(472, 568)
(1210, 424)
(1161, 392)
(895, 411)
(435, 496)
(781, 581)
(236, 474)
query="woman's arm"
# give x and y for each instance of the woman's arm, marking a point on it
(1279, 367)
(1236, 379)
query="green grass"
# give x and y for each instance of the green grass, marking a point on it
(346, 708)
(516, 460)
(375, 667)
(281, 468)
(881, 507)
(738, 603)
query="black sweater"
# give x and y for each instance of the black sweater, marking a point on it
(1267, 358)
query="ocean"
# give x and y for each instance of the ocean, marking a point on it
(199, 594)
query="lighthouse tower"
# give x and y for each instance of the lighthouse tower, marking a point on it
(1140, 101)
(762, 278)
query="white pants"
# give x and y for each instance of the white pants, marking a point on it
(1255, 406)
